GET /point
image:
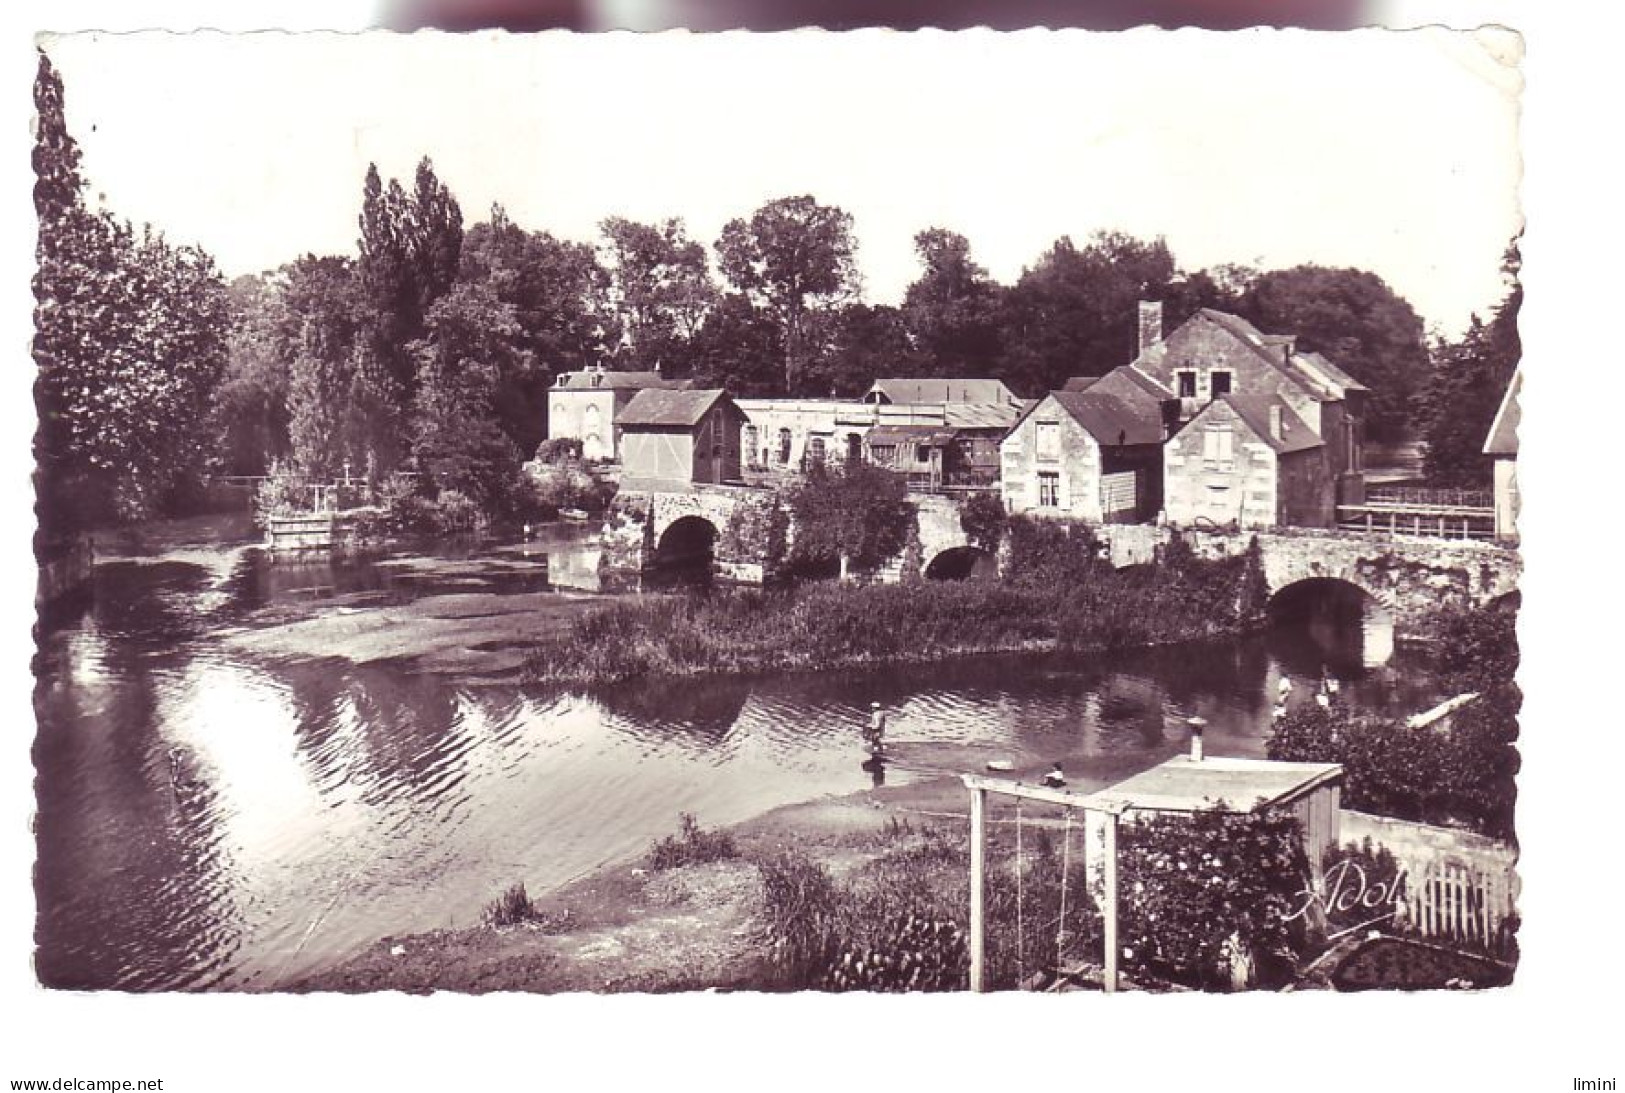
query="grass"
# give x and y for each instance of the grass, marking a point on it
(692, 845)
(824, 626)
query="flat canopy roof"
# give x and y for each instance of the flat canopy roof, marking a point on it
(1184, 785)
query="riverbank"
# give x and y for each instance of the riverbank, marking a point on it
(820, 627)
(626, 928)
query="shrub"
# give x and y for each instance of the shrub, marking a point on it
(512, 908)
(1466, 772)
(282, 493)
(983, 519)
(1196, 890)
(559, 450)
(859, 512)
(692, 845)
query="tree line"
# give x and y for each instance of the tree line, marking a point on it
(433, 346)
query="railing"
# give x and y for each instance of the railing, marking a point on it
(1430, 496)
(1432, 522)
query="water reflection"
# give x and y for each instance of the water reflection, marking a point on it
(210, 820)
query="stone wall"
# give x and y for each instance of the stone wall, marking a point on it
(1076, 463)
(1239, 491)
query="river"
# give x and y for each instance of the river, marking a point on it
(212, 819)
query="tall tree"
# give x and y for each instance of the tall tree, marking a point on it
(661, 290)
(343, 406)
(1359, 323)
(250, 414)
(792, 259)
(1470, 377)
(457, 440)
(739, 347)
(410, 247)
(860, 342)
(129, 343)
(952, 310)
(559, 293)
(1074, 312)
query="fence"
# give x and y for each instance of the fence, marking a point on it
(1459, 887)
(1430, 496)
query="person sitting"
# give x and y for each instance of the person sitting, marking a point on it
(1055, 779)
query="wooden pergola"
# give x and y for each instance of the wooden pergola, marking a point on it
(1185, 784)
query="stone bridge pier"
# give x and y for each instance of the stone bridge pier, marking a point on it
(1408, 576)
(741, 528)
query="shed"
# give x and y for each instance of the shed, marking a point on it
(686, 436)
(1502, 446)
(1312, 791)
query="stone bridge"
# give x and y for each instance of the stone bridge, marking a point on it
(746, 532)
(651, 523)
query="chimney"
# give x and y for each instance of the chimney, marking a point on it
(1196, 725)
(1150, 324)
(1277, 423)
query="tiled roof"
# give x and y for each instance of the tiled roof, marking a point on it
(652, 407)
(1112, 420)
(583, 381)
(1503, 438)
(1255, 411)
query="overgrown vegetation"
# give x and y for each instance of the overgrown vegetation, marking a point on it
(854, 515)
(830, 625)
(1212, 899)
(1463, 772)
(899, 923)
(692, 845)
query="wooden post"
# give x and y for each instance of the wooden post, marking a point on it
(1108, 905)
(978, 888)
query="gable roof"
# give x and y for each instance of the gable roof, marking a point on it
(1503, 438)
(657, 407)
(583, 381)
(1112, 420)
(934, 390)
(1319, 377)
(1255, 411)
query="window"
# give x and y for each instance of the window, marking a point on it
(1219, 383)
(748, 442)
(1049, 440)
(1187, 383)
(884, 454)
(1049, 489)
(922, 453)
(784, 445)
(1218, 444)
(815, 450)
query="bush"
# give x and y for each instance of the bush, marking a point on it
(559, 450)
(1199, 892)
(282, 493)
(983, 519)
(692, 845)
(512, 908)
(859, 512)
(1464, 773)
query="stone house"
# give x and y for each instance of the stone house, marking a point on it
(585, 406)
(680, 437)
(1247, 461)
(1502, 445)
(1214, 354)
(782, 437)
(1088, 455)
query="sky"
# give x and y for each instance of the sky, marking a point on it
(1393, 152)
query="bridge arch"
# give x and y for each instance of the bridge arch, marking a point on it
(687, 541)
(957, 563)
(1341, 618)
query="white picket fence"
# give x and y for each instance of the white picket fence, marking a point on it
(1459, 887)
